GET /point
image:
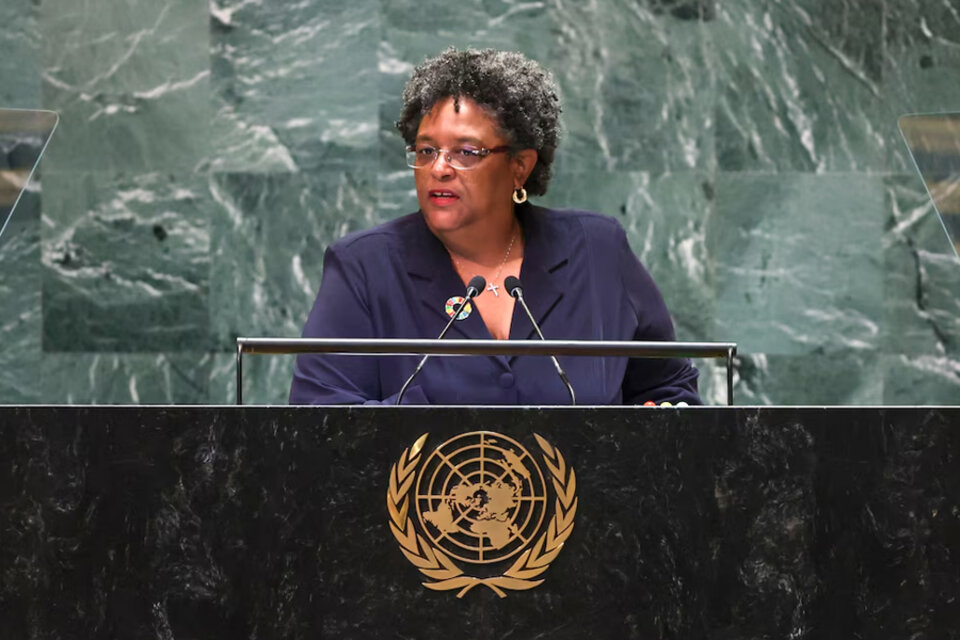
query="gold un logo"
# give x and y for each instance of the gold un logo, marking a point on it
(473, 512)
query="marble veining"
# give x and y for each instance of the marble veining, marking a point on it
(210, 151)
(168, 522)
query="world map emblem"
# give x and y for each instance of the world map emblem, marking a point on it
(479, 510)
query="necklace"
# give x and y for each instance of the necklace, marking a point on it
(491, 286)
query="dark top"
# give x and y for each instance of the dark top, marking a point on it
(581, 281)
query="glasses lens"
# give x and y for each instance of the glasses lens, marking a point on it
(459, 158)
(412, 158)
(420, 157)
(465, 157)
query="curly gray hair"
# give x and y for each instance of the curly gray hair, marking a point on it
(521, 96)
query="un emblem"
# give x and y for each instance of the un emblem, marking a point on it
(472, 512)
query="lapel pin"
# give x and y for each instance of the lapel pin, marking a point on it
(453, 302)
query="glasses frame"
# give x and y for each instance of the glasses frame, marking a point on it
(482, 152)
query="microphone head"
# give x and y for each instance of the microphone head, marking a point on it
(513, 286)
(475, 286)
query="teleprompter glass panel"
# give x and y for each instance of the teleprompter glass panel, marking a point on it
(934, 142)
(24, 134)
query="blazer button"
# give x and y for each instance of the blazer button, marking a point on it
(506, 380)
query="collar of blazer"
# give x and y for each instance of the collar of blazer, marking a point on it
(546, 255)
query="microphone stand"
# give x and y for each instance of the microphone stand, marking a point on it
(476, 285)
(515, 289)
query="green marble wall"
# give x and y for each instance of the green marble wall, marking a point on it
(210, 150)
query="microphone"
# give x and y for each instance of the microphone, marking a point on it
(515, 289)
(474, 287)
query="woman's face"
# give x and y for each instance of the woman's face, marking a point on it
(460, 199)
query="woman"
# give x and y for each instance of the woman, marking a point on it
(481, 129)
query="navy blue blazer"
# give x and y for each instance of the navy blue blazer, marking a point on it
(581, 280)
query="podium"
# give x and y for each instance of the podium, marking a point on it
(260, 522)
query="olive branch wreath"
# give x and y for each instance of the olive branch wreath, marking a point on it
(437, 566)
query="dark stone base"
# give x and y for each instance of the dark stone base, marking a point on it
(225, 522)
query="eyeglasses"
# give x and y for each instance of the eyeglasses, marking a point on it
(421, 157)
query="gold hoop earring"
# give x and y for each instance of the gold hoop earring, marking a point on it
(520, 195)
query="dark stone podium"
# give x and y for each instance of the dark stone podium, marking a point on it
(250, 522)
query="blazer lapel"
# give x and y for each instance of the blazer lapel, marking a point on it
(428, 264)
(543, 272)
